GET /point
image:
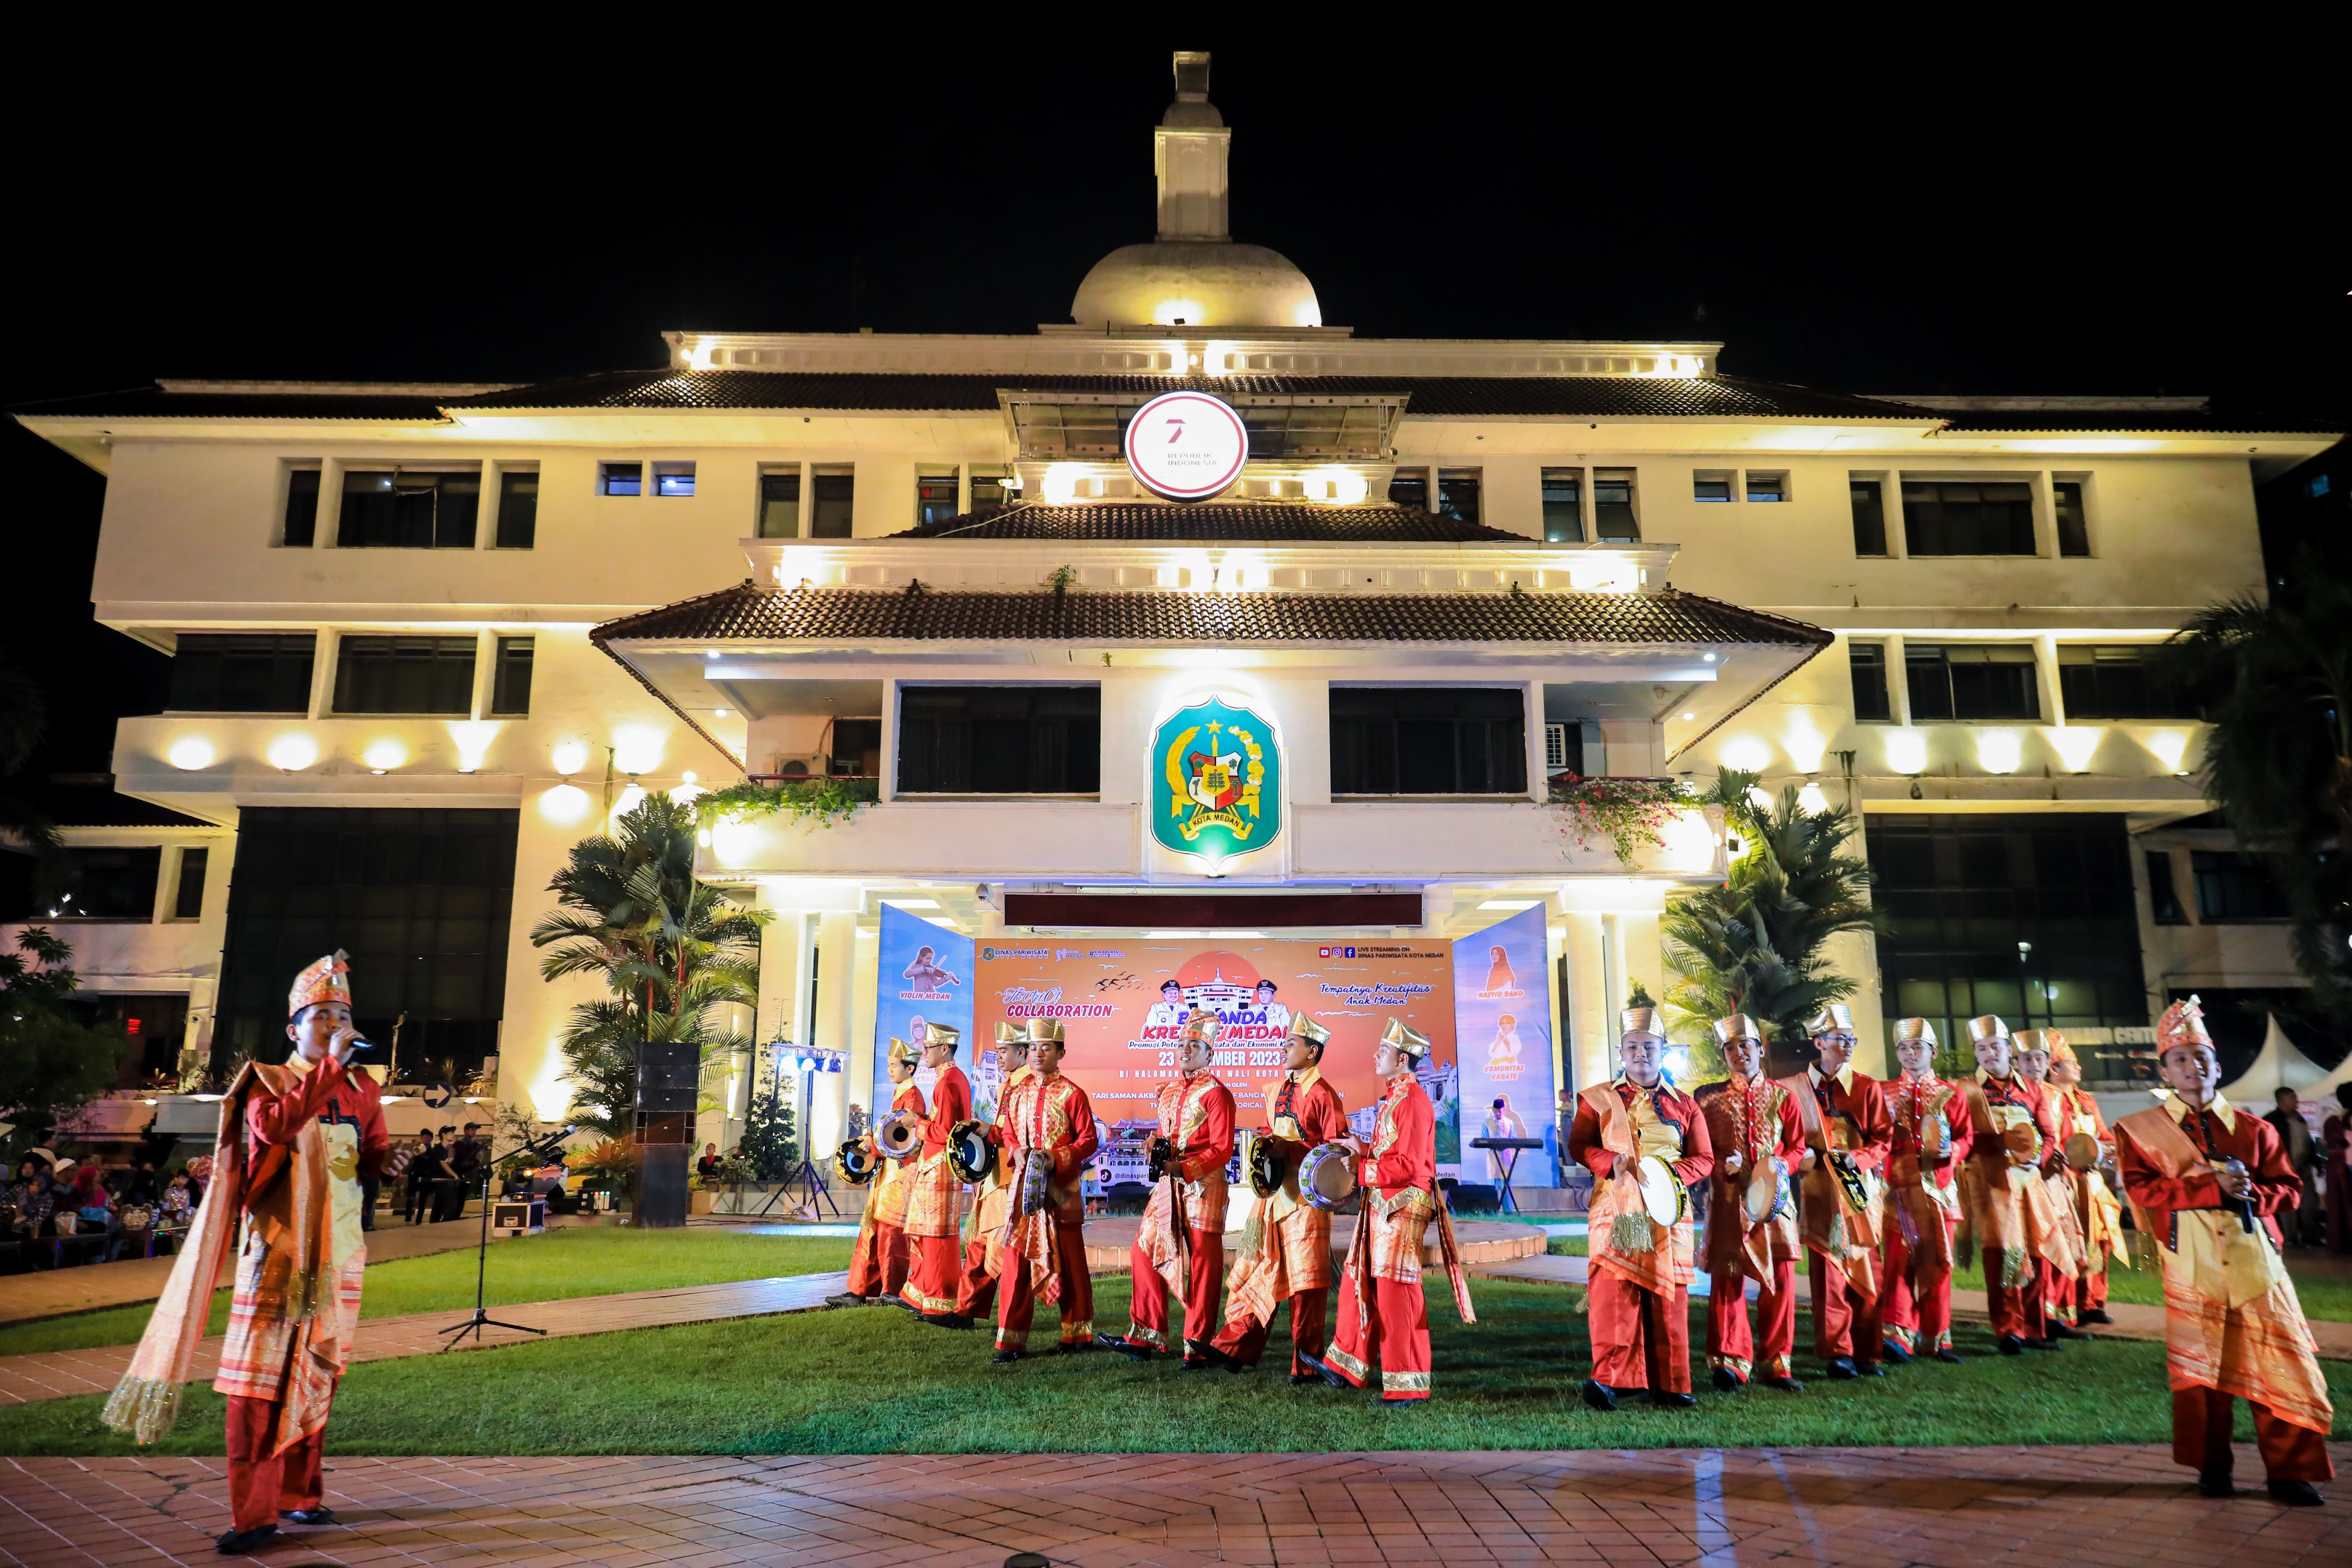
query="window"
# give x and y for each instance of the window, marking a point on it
(1000, 740)
(518, 510)
(1711, 485)
(1410, 487)
(1767, 486)
(854, 751)
(620, 478)
(988, 492)
(301, 530)
(188, 897)
(1563, 506)
(779, 504)
(510, 678)
(2232, 887)
(405, 675)
(242, 672)
(673, 478)
(1968, 517)
(1457, 494)
(2163, 893)
(1869, 497)
(401, 509)
(1613, 507)
(1445, 739)
(2117, 683)
(2066, 510)
(1871, 701)
(836, 504)
(1971, 682)
(108, 884)
(935, 496)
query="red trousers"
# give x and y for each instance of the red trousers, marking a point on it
(1916, 1311)
(1641, 1339)
(2018, 1309)
(1204, 1280)
(261, 1483)
(1243, 1337)
(2060, 1295)
(1845, 1323)
(879, 1265)
(2200, 1439)
(2091, 1289)
(976, 1293)
(1396, 1335)
(934, 1273)
(1018, 1305)
(1729, 1342)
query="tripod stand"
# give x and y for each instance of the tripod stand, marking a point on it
(481, 1319)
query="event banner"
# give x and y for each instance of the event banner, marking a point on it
(1502, 1003)
(926, 977)
(1123, 1000)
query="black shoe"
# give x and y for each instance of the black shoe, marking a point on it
(902, 1301)
(2012, 1345)
(1202, 1350)
(845, 1298)
(1074, 1347)
(1841, 1367)
(1124, 1346)
(2068, 1332)
(1951, 1357)
(2215, 1483)
(1896, 1353)
(1196, 1363)
(1007, 1356)
(1868, 1369)
(2296, 1494)
(1727, 1381)
(946, 1319)
(2094, 1315)
(1673, 1401)
(1785, 1384)
(1599, 1396)
(323, 1514)
(237, 1542)
(2042, 1344)
(1322, 1369)
(1301, 1379)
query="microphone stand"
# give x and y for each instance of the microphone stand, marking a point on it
(481, 1317)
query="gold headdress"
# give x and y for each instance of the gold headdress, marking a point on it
(329, 980)
(1837, 1019)
(1044, 1029)
(2184, 1020)
(1008, 1033)
(1202, 1027)
(1906, 1029)
(1640, 1021)
(1738, 1027)
(904, 1054)
(1396, 1032)
(1303, 1028)
(946, 1035)
(1988, 1027)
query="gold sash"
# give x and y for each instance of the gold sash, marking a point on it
(1621, 1236)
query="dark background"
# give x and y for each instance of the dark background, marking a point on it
(1846, 204)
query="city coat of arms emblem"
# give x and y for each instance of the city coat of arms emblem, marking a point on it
(1216, 784)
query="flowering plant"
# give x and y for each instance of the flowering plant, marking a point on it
(816, 802)
(1633, 813)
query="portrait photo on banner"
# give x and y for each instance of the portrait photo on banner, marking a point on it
(1502, 1008)
(926, 977)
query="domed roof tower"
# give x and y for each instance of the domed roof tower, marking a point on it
(1195, 275)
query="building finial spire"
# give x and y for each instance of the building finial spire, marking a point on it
(1189, 151)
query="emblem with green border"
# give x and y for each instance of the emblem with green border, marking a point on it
(1216, 780)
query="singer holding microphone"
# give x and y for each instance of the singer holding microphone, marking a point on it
(2206, 1181)
(284, 1202)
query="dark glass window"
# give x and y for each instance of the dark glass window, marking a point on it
(2163, 893)
(1871, 697)
(989, 494)
(1443, 740)
(2234, 887)
(2066, 510)
(2033, 917)
(510, 678)
(779, 505)
(1457, 494)
(1410, 487)
(935, 497)
(399, 509)
(1711, 487)
(188, 897)
(1768, 487)
(518, 510)
(856, 748)
(1869, 497)
(405, 675)
(421, 899)
(673, 478)
(1613, 507)
(108, 884)
(1563, 506)
(836, 506)
(2117, 683)
(1000, 740)
(1969, 681)
(620, 478)
(242, 672)
(1953, 518)
(302, 508)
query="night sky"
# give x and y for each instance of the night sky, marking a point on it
(1863, 210)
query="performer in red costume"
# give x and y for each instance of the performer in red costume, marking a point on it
(1645, 1142)
(2006, 1207)
(935, 1194)
(1759, 1138)
(1181, 1244)
(1050, 1125)
(878, 1262)
(1931, 1139)
(1842, 1199)
(293, 1145)
(991, 1208)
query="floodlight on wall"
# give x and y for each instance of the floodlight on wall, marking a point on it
(636, 749)
(2074, 746)
(569, 757)
(1746, 754)
(564, 805)
(2169, 747)
(383, 756)
(1999, 750)
(191, 753)
(292, 753)
(1907, 752)
(473, 737)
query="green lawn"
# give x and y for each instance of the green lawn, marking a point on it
(573, 1261)
(2324, 1288)
(874, 1379)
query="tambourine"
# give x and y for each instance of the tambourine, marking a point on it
(1036, 1181)
(1159, 1154)
(1761, 1197)
(1265, 1167)
(896, 1137)
(1935, 1134)
(971, 1155)
(1661, 1194)
(1326, 1175)
(2023, 1141)
(856, 1162)
(2082, 1151)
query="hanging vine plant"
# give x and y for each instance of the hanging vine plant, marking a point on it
(810, 803)
(1632, 814)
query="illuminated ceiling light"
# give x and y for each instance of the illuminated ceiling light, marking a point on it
(942, 921)
(2076, 745)
(636, 749)
(1907, 752)
(1706, 658)
(292, 753)
(564, 805)
(2169, 747)
(1746, 754)
(1689, 718)
(191, 753)
(1812, 798)
(1510, 903)
(720, 714)
(1999, 750)
(1061, 485)
(568, 756)
(710, 653)
(384, 756)
(473, 737)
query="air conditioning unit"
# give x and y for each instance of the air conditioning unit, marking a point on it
(802, 765)
(1554, 747)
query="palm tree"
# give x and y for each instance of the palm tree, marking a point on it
(671, 951)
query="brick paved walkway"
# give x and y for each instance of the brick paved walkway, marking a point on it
(1937, 1508)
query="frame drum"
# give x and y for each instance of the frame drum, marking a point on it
(856, 1162)
(2023, 1141)
(971, 1155)
(1935, 1134)
(1327, 1176)
(896, 1138)
(1761, 1196)
(1265, 1168)
(2082, 1151)
(1660, 1199)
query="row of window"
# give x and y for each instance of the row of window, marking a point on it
(271, 672)
(2000, 682)
(1956, 517)
(112, 882)
(413, 509)
(2232, 887)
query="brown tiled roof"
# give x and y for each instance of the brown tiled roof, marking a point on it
(748, 613)
(2128, 421)
(155, 403)
(1258, 522)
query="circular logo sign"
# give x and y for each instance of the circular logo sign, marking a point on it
(1186, 445)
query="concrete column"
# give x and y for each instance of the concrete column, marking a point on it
(331, 502)
(1644, 959)
(1585, 1009)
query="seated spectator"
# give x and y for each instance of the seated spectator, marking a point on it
(179, 1202)
(143, 1186)
(31, 1202)
(708, 1166)
(92, 1207)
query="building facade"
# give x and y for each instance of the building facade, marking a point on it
(428, 636)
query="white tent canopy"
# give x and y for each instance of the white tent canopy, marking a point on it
(2279, 1065)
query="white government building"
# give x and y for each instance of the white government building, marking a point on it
(425, 634)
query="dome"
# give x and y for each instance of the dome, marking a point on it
(1215, 284)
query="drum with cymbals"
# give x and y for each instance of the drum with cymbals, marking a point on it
(1159, 1155)
(1661, 1194)
(897, 1138)
(1036, 1181)
(856, 1162)
(2023, 1141)
(1265, 1167)
(1935, 1136)
(1326, 1175)
(1761, 1196)
(2082, 1151)
(971, 1155)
